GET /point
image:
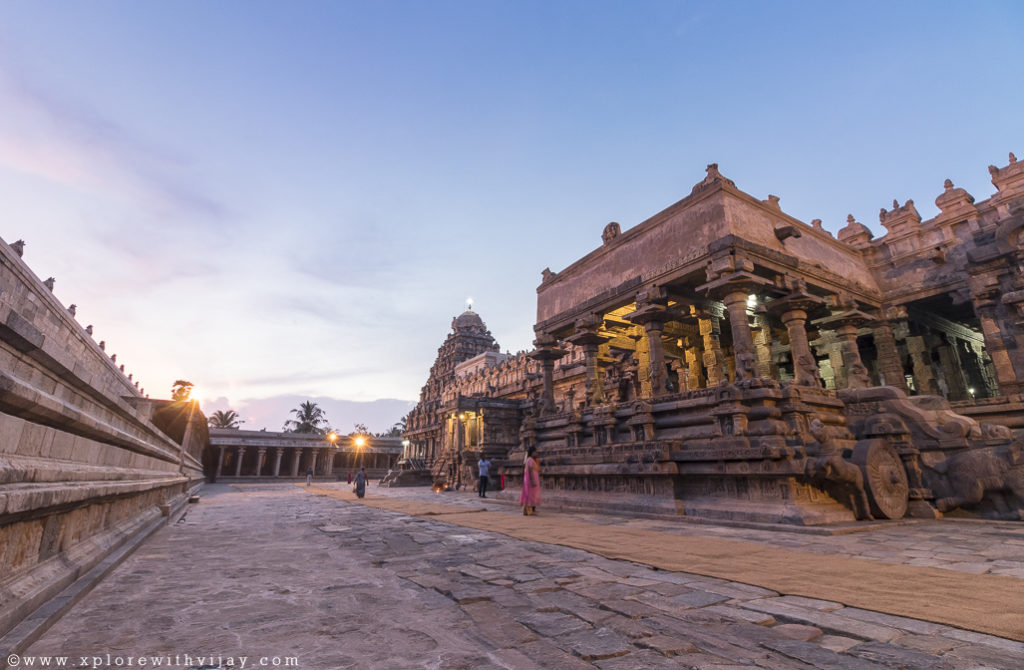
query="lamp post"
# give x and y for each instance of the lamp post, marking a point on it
(332, 437)
(359, 442)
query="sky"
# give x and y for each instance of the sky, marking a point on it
(279, 200)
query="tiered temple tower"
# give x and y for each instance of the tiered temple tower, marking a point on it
(427, 423)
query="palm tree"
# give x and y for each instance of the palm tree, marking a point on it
(395, 430)
(228, 419)
(181, 390)
(309, 418)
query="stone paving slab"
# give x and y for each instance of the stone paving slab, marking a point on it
(249, 573)
(988, 603)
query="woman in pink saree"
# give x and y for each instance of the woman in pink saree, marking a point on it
(530, 497)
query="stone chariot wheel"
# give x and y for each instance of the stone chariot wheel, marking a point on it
(884, 478)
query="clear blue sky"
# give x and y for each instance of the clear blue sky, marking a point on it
(285, 198)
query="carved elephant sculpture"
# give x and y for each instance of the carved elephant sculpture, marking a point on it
(969, 475)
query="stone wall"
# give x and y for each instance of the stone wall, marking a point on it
(87, 463)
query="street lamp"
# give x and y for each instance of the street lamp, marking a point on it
(332, 437)
(359, 442)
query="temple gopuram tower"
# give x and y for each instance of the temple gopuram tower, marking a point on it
(446, 430)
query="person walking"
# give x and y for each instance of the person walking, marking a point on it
(361, 483)
(309, 476)
(530, 496)
(349, 476)
(483, 467)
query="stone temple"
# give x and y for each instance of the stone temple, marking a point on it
(725, 360)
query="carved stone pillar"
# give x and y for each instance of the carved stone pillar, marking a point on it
(588, 339)
(805, 369)
(742, 339)
(969, 354)
(889, 365)
(793, 311)
(313, 462)
(695, 369)
(278, 453)
(297, 461)
(992, 330)
(261, 455)
(763, 348)
(654, 330)
(652, 313)
(845, 325)
(682, 374)
(856, 374)
(220, 462)
(238, 465)
(734, 288)
(652, 317)
(547, 352)
(328, 461)
(924, 380)
(952, 370)
(712, 358)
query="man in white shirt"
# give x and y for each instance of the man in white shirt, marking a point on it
(484, 468)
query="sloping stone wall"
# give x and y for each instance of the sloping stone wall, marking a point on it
(86, 462)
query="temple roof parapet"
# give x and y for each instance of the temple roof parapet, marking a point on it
(1009, 179)
(856, 234)
(955, 203)
(901, 220)
(928, 255)
(713, 177)
(674, 244)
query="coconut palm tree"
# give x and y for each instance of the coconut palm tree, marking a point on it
(228, 419)
(181, 390)
(309, 418)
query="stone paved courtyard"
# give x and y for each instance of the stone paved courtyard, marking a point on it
(274, 574)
